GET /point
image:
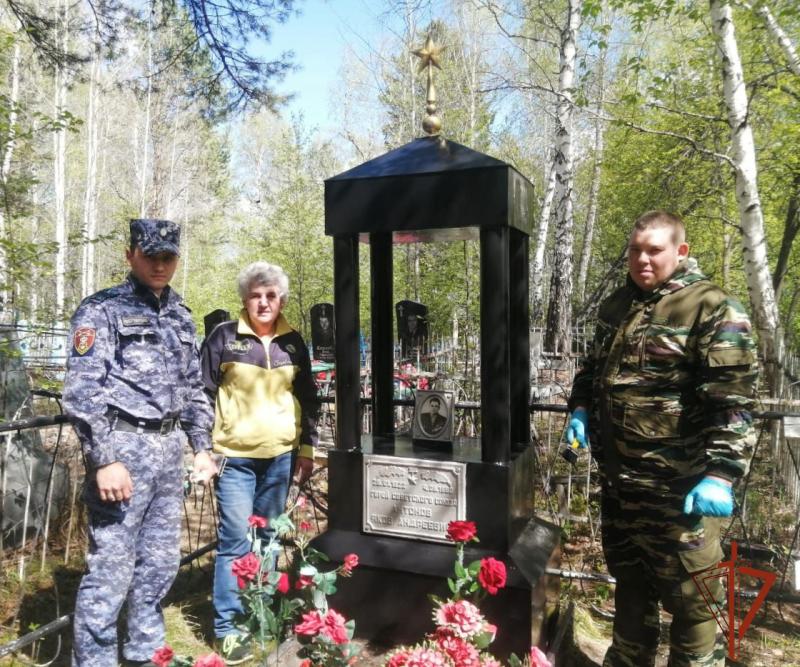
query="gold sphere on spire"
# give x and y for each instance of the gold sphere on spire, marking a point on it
(429, 58)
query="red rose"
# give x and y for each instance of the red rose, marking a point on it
(398, 659)
(283, 583)
(304, 581)
(311, 624)
(246, 568)
(461, 531)
(163, 656)
(492, 575)
(305, 663)
(212, 660)
(350, 563)
(305, 526)
(257, 521)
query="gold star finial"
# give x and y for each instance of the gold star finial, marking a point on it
(429, 58)
(429, 54)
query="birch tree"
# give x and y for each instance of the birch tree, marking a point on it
(145, 174)
(60, 158)
(89, 227)
(780, 36)
(9, 144)
(559, 316)
(540, 242)
(594, 188)
(759, 283)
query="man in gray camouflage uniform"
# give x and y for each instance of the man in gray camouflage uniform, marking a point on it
(133, 379)
(664, 397)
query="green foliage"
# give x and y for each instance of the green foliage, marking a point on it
(281, 167)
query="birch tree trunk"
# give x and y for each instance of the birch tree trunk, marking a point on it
(90, 197)
(148, 110)
(594, 188)
(537, 267)
(759, 283)
(5, 171)
(781, 37)
(558, 334)
(60, 159)
(172, 160)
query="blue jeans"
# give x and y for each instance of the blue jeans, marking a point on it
(246, 487)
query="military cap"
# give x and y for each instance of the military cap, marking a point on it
(155, 236)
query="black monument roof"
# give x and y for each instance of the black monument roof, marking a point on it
(427, 184)
(425, 155)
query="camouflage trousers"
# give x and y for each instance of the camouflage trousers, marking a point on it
(134, 552)
(652, 549)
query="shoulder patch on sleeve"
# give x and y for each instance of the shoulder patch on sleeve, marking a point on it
(83, 342)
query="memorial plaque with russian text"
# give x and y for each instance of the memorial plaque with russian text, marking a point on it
(413, 498)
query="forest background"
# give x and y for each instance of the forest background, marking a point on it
(111, 110)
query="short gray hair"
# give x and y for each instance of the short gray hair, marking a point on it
(263, 274)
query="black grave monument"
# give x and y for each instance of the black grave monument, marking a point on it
(323, 331)
(389, 500)
(412, 326)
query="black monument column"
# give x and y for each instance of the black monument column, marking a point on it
(520, 340)
(348, 379)
(380, 256)
(495, 336)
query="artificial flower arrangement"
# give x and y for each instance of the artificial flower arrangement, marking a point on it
(277, 604)
(462, 634)
(274, 607)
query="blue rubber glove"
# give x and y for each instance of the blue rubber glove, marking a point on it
(711, 497)
(578, 428)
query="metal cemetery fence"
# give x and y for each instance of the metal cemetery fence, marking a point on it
(41, 468)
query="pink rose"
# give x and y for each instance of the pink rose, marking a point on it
(425, 657)
(492, 575)
(350, 563)
(539, 659)
(460, 651)
(305, 663)
(257, 521)
(333, 627)
(301, 501)
(163, 656)
(283, 583)
(462, 618)
(461, 531)
(246, 568)
(311, 624)
(212, 660)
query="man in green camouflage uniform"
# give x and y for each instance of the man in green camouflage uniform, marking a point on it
(664, 398)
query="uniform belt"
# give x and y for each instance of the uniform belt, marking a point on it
(122, 421)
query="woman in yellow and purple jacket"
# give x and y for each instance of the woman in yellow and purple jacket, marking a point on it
(257, 370)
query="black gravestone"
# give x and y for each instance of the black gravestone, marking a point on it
(323, 332)
(214, 318)
(412, 326)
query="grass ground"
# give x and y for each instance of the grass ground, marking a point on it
(773, 640)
